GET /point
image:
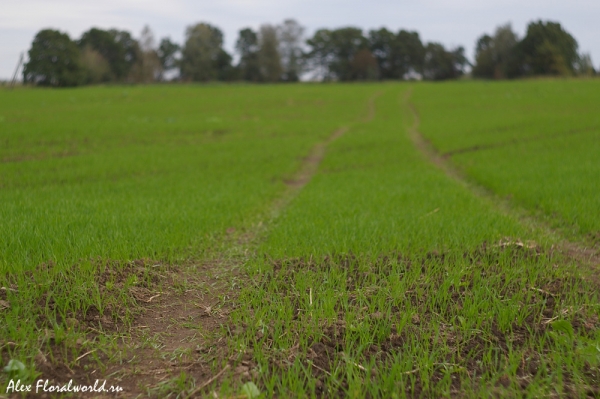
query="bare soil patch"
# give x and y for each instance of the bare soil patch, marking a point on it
(170, 342)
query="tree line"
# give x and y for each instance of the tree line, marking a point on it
(546, 49)
(282, 53)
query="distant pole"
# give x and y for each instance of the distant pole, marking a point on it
(14, 79)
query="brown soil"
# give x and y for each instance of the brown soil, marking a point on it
(178, 329)
(176, 333)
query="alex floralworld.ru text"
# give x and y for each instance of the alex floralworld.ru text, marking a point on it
(46, 386)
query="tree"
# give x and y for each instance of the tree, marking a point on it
(409, 53)
(548, 60)
(167, 55)
(345, 54)
(148, 67)
(485, 64)
(225, 71)
(396, 54)
(247, 47)
(364, 65)
(321, 54)
(585, 66)
(495, 57)
(438, 64)
(506, 61)
(97, 69)
(547, 49)
(290, 35)
(345, 43)
(54, 60)
(441, 64)
(118, 48)
(459, 60)
(333, 52)
(383, 44)
(269, 60)
(202, 54)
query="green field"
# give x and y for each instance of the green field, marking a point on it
(363, 269)
(535, 141)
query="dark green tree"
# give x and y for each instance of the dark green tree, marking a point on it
(397, 54)
(409, 53)
(459, 60)
(382, 43)
(496, 57)
(441, 64)
(345, 44)
(167, 54)
(334, 52)
(485, 65)
(547, 49)
(54, 60)
(118, 48)
(225, 69)
(247, 47)
(202, 55)
(338, 53)
(321, 54)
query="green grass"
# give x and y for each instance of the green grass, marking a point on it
(375, 193)
(125, 173)
(92, 179)
(538, 143)
(383, 277)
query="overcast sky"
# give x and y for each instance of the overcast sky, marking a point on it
(453, 23)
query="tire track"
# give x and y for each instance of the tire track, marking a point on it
(163, 328)
(583, 255)
(541, 137)
(310, 164)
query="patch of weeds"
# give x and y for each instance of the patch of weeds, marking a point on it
(177, 355)
(55, 315)
(176, 387)
(154, 341)
(499, 319)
